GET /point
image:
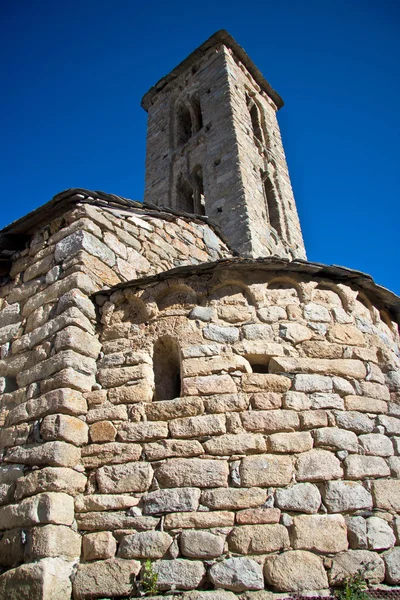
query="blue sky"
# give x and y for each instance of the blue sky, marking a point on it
(73, 74)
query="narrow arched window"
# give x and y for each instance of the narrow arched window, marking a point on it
(184, 128)
(167, 370)
(184, 196)
(197, 114)
(198, 191)
(272, 203)
(255, 118)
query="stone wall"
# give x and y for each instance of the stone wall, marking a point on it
(277, 467)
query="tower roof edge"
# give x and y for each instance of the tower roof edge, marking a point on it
(221, 36)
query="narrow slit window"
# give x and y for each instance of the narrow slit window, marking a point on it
(197, 114)
(167, 370)
(198, 193)
(185, 200)
(255, 118)
(184, 128)
(272, 202)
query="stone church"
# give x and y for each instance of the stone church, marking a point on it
(189, 408)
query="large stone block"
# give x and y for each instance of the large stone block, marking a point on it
(110, 378)
(376, 444)
(301, 497)
(201, 544)
(54, 454)
(47, 579)
(365, 404)
(191, 427)
(355, 421)
(93, 502)
(145, 544)
(234, 498)
(270, 421)
(360, 467)
(318, 465)
(12, 547)
(112, 520)
(51, 507)
(208, 385)
(346, 496)
(312, 383)
(53, 541)
(380, 535)
(199, 520)
(145, 431)
(320, 533)
(392, 564)
(290, 442)
(334, 438)
(66, 359)
(97, 455)
(386, 494)
(258, 516)
(174, 409)
(237, 574)
(350, 563)
(50, 479)
(194, 472)
(64, 428)
(173, 449)
(348, 368)
(266, 470)
(64, 401)
(105, 578)
(179, 574)
(83, 240)
(98, 546)
(172, 500)
(74, 338)
(265, 382)
(128, 477)
(214, 364)
(296, 571)
(258, 539)
(240, 443)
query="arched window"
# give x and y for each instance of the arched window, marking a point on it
(184, 196)
(255, 118)
(272, 203)
(197, 115)
(167, 370)
(184, 129)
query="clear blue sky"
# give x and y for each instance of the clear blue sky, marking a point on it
(73, 74)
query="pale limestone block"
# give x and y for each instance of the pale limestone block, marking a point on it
(346, 496)
(294, 332)
(265, 382)
(47, 578)
(312, 383)
(49, 507)
(296, 401)
(112, 577)
(375, 390)
(201, 350)
(392, 564)
(66, 359)
(83, 240)
(128, 477)
(69, 378)
(270, 421)
(376, 444)
(223, 403)
(190, 427)
(233, 498)
(145, 431)
(345, 334)
(360, 467)
(240, 443)
(114, 520)
(296, 571)
(266, 470)
(325, 400)
(290, 442)
(257, 332)
(208, 385)
(53, 541)
(145, 544)
(100, 502)
(98, 546)
(102, 431)
(65, 401)
(316, 312)
(334, 438)
(355, 421)
(50, 479)
(343, 386)
(311, 419)
(237, 574)
(350, 563)
(64, 428)
(224, 335)
(301, 497)
(320, 533)
(199, 520)
(54, 454)
(357, 532)
(321, 366)
(386, 494)
(394, 465)
(97, 455)
(74, 338)
(171, 500)
(179, 574)
(318, 465)
(193, 472)
(379, 534)
(320, 349)
(364, 404)
(266, 401)
(234, 314)
(175, 409)
(141, 391)
(272, 314)
(110, 378)
(201, 544)
(391, 424)
(107, 412)
(214, 364)
(203, 313)
(173, 449)
(258, 539)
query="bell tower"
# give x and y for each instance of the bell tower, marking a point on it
(214, 148)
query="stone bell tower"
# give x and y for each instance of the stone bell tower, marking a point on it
(214, 148)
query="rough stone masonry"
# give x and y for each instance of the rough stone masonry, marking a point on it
(180, 388)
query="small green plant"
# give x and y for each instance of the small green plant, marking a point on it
(354, 588)
(148, 580)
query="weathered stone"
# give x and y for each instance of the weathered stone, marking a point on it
(70, 377)
(173, 448)
(392, 564)
(97, 455)
(197, 426)
(54, 454)
(98, 546)
(386, 494)
(296, 401)
(394, 465)
(195, 472)
(345, 334)
(258, 539)
(391, 424)
(57, 508)
(8, 332)
(214, 364)
(318, 465)
(301, 497)
(233, 498)
(320, 533)
(258, 332)
(66, 359)
(50, 479)
(10, 473)
(266, 470)
(199, 520)
(65, 428)
(336, 439)
(355, 421)
(294, 332)
(201, 544)
(74, 338)
(202, 313)
(312, 383)
(172, 500)
(264, 382)
(128, 477)
(266, 401)
(360, 467)
(208, 385)
(142, 432)
(237, 574)
(346, 496)
(321, 349)
(145, 544)
(47, 578)
(366, 405)
(110, 521)
(311, 419)
(271, 314)
(343, 387)
(64, 401)
(337, 367)
(141, 391)
(224, 335)
(224, 403)
(350, 563)
(270, 421)
(376, 444)
(316, 312)
(258, 516)
(10, 314)
(324, 400)
(110, 378)
(290, 442)
(15, 435)
(296, 571)
(179, 574)
(53, 541)
(379, 534)
(241, 443)
(102, 431)
(356, 532)
(174, 409)
(93, 502)
(105, 578)
(375, 390)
